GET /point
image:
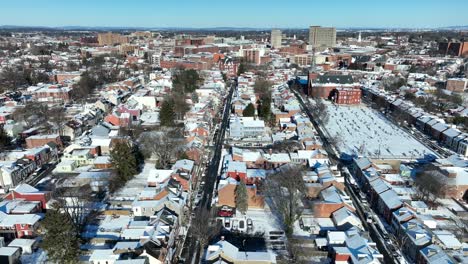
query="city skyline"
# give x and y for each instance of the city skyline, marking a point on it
(258, 14)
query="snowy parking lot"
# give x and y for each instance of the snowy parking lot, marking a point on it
(360, 130)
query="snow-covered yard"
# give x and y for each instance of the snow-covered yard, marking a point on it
(364, 131)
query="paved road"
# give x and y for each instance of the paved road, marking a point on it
(190, 252)
(333, 156)
(33, 180)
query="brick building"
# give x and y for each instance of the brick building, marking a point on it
(253, 55)
(347, 96)
(53, 93)
(60, 77)
(109, 39)
(457, 85)
(169, 64)
(28, 193)
(41, 140)
(459, 49)
(228, 66)
(323, 86)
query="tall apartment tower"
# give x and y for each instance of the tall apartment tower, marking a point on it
(276, 38)
(322, 37)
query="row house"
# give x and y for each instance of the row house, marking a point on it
(13, 173)
(433, 254)
(414, 237)
(41, 155)
(227, 195)
(426, 123)
(81, 157)
(20, 206)
(253, 159)
(237, 170)
(41, 140)
(72, 129)
(19, 226)
(53, 94)
(331, 200)
(196, 129)
(28, 193)
(356, 250)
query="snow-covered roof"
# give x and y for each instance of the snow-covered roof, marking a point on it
(25, 188)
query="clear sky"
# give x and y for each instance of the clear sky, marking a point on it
(236, 13)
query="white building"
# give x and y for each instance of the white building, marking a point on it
(241, 127)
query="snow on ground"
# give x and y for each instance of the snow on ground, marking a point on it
(262, 221)
(364, 131)
(37, 257)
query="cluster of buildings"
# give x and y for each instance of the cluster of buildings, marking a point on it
(434, 126)
(329, 222)
(425, 233)
(146, 221)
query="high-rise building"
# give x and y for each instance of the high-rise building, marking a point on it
(322, 37)
(454, 48)
(110, 38)
(276, 38)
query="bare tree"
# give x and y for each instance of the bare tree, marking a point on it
(76, 203)
(298, 253)
(430, 185)
(262, 87)
(319, 110)
(57, 117)
(164, 145)
(393, 83)
(11, 78)
(287, 145)
(284, 190)
(335, 140)
(32, 113)
(205, 227)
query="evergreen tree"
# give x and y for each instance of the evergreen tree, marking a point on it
(124, 162)
(60, 238)
(249, 110)
(241, 69)
(167, 114)
(259, 108)
(242, 199)
(264, 109)
(5, 139)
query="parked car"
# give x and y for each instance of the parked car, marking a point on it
(249, 223)
(225, 212)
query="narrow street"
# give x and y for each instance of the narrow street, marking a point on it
(190, 250)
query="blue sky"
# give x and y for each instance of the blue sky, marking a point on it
(237, 13)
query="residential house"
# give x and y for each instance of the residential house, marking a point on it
(225, 252)
(28, 193)
(227, 194)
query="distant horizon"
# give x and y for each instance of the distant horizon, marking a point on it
(6, 26)
(263, 14)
